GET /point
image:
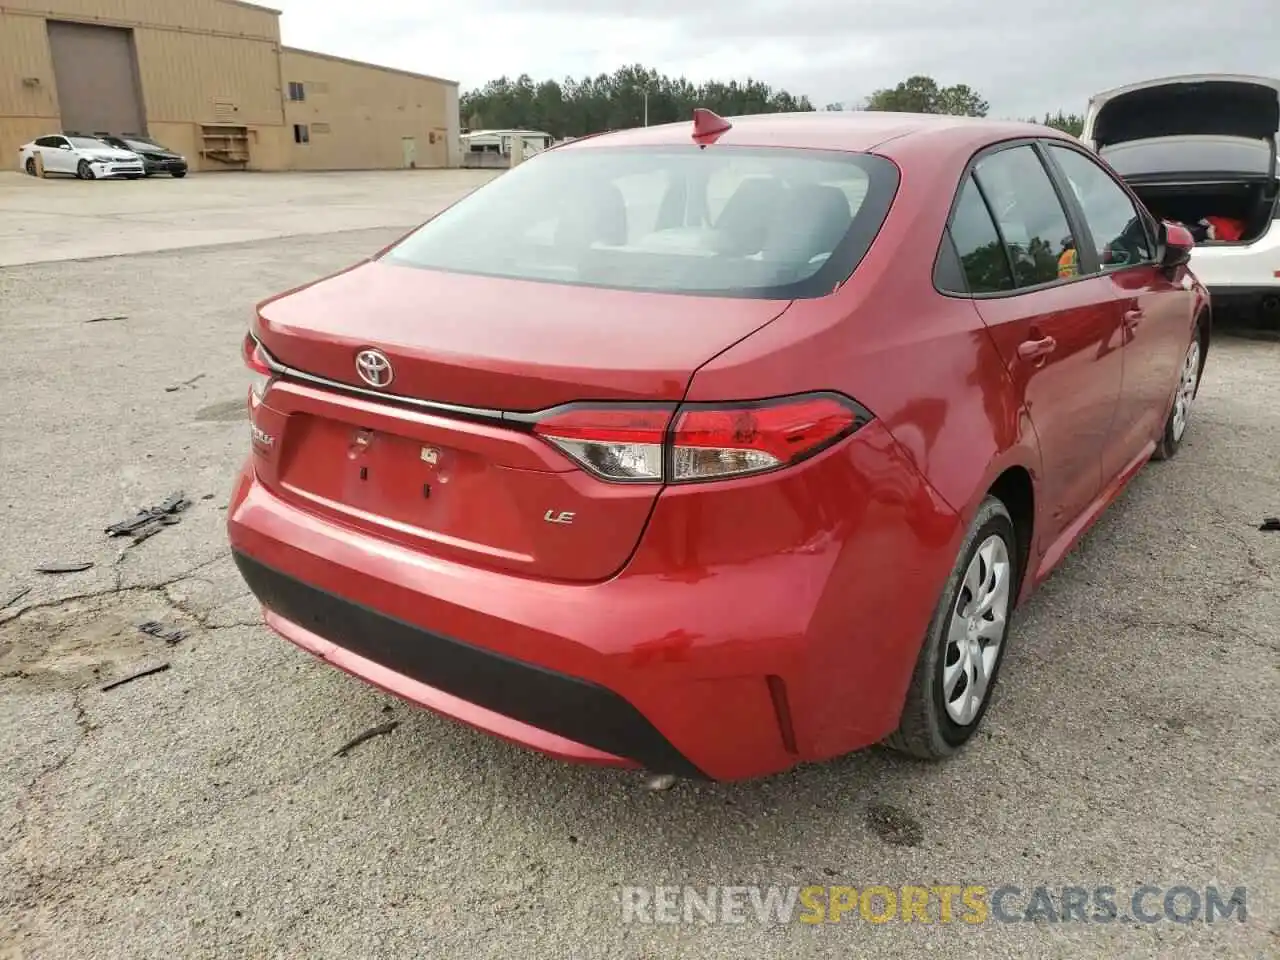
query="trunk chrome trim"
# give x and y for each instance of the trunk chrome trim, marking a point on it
(430, 406)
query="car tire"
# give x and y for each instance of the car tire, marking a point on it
(936, 721)
(178, 174)
(84, 171)
(1184, 395)
(30, 166)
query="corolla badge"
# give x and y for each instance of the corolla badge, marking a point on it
(374, 368)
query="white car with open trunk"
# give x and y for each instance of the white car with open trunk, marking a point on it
(1201, 150)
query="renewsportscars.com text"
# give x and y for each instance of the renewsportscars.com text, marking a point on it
(971, 904)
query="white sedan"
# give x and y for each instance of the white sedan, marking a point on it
(85, 157)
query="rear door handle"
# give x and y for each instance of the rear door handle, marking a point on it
(1037, 350)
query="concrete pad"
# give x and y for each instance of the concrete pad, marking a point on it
(61, 218)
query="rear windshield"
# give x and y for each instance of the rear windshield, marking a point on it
(1191, 155)
(722, 221)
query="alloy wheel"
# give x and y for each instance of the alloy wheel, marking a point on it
(976, 631)
(1186, 393)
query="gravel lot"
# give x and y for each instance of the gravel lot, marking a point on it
(202, 812)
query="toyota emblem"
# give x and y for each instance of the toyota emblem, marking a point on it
(374, 368)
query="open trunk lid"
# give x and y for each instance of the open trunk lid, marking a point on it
(1204, 104)
(438, 458)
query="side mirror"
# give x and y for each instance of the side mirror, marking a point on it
(1176, 245)
(64, 146)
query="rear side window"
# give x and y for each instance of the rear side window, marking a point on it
(1118, 231)
(722, 221)
(1029, 214)
(982, 256)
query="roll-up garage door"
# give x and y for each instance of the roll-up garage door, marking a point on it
(97, 77)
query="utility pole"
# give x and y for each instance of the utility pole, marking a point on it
(646, 106)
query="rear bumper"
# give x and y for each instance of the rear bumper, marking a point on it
(727, 647)
(558, 714)
(1240, 270)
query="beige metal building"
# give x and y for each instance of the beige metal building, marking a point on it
(210, 79)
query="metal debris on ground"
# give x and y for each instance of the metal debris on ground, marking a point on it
(1270, 524)
(185, 383)
(150, 671)
(13, 598)
(379, 731)
(150, 521)
(154, 628)
(105, 319)
(660, 783)
(75, 566)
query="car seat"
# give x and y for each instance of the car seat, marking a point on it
(597, 213)
(813, 221)
(743, 224)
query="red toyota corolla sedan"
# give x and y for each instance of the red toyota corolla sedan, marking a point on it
(715, 448)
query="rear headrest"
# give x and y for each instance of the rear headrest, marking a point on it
(744, 222)
(597, 213)
(813, 221)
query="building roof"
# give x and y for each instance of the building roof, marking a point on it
(361, 63)
(252, 6)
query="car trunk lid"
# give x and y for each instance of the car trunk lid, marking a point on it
(440, 459)
(499, 344)
(1221, 105)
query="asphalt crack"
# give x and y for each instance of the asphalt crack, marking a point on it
(118, 590)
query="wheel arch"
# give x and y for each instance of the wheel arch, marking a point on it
(1203, 326)
(1015, 488)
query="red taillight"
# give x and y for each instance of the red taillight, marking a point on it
(616, 442)
(704, 441)
(710, 442)
(256, 360)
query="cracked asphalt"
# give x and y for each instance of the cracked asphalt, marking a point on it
(204, 812)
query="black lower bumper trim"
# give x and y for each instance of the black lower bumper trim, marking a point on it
(1243, 295)
(576, 709)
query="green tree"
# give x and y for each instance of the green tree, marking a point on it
(987, 267)
(574, 107)
(1071, 123)
(921, 94)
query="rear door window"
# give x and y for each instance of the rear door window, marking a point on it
(982, 256)
(1119, 232)
(1030, 216)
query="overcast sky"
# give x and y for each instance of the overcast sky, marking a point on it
(1024, 56)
